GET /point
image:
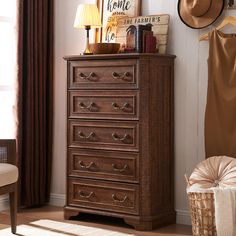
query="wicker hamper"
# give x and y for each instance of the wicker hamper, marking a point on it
(202, 213)
(214, 172)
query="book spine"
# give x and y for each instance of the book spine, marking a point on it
(150, 44)
(139, 37)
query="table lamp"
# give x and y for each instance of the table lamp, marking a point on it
(87, 16)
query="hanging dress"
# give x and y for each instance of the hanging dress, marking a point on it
(220, 116)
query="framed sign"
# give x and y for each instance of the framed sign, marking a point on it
(111, 11)
(159, 26)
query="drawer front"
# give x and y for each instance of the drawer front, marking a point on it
(115, 135)
(103, 74)
(118, 166)
(103, 196)
(103, 104)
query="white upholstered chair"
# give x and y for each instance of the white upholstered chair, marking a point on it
(9, 176)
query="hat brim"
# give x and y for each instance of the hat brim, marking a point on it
(200, 22)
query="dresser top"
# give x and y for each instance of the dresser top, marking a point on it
(117, 56)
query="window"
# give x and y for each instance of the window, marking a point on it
(7, 67)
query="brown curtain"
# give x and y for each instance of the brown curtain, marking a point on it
(35, 100)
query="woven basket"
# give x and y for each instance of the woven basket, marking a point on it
(202, 209)
(202, 213)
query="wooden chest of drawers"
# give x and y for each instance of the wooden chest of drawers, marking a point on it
(120, 138)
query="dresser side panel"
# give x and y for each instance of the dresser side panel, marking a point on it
(161, 135)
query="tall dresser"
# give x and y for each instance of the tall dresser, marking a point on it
(120, 159)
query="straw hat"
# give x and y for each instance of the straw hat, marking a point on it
(198, 14)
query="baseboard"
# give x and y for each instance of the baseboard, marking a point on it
(4, 202)
(183, 217)
(57, 200)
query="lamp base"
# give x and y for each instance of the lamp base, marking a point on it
(87, 53)
(87, 50)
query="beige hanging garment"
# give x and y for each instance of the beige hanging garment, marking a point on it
(220, 117)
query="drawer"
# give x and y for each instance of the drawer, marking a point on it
(104, 196)
(103, 74)
(103, 104)
(118, 166)
(115, 135)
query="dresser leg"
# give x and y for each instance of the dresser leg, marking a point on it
(139, 225)
(153, 222)
(68, 213)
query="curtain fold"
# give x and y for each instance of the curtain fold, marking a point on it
(35, 100)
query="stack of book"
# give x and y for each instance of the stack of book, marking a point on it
(145, 41)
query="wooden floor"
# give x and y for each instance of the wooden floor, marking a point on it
(56, 213)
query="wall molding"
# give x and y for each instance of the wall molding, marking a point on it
(4, 202)
(57, 199)
(183, 217)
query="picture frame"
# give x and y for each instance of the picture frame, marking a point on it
(110, 12)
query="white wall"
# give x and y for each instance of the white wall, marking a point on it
(190, 92)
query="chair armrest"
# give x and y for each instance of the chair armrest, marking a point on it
(8, 151)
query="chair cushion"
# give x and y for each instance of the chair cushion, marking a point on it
(217, 171)
(8, 174)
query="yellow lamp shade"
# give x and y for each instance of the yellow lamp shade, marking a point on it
(87, 15)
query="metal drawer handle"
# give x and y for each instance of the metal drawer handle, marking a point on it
(90, 107)
(117, 138)
(87, 196)
(117, 107)
(115, 199)
(119, 170)
(82, 165)
(116, 75)
(83, 136)
(87, 77)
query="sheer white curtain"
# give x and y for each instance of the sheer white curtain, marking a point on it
(7, 68)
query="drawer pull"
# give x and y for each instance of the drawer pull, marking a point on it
(87, 196)
(83, 136)
(119, 170)
(116, 75)
(117, 107)
(117, 138)
(90, 107)
(87, 77)
(115, 199)
(82, 165)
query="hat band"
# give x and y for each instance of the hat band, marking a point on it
(207, 10)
